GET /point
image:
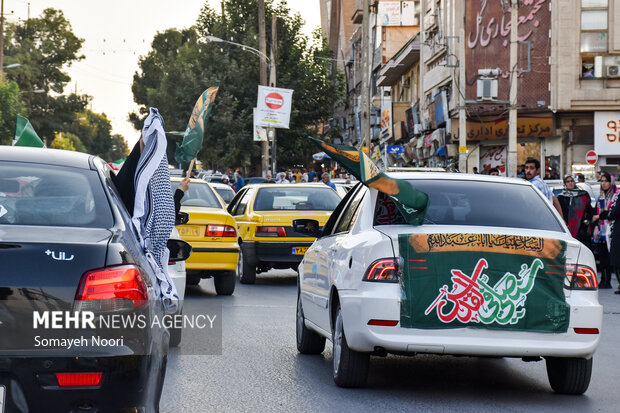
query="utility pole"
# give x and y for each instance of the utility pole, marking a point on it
(462, 111)
(271, 132)
(1, 34)
(262, 45)
(512, 119)
(365, 121)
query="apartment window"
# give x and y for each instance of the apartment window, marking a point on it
(594, 26)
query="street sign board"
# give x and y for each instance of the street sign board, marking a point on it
(591, 157)
(395, 149)
(273, 107)
(260, 133)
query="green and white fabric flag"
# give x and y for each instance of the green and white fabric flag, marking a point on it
(25, 134)
(483, 281)
(195, 131)
(411, 202)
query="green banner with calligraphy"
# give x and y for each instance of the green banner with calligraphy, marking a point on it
(483, 281)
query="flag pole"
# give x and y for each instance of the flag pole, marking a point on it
(191, 166)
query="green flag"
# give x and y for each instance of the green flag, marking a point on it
(195, 131)
(25, 134)
(490, 281)
(411, 202)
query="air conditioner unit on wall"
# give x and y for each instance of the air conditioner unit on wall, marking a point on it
(487, 89)
(613, 70)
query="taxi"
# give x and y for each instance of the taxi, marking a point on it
(264, 214)
(211, 232)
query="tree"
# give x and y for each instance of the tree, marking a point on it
(61, 142)
(182, 64)
(43, 47)
(10, 106)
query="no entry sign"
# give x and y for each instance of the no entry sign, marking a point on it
(591, 157)
(273, 107)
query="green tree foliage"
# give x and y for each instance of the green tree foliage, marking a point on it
(43, 47)
(94, 131)
(62, 142)
(182, 64)
(10, 106)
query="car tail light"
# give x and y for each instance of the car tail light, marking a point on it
(112, 288)
(385, 323)
(581, 277)
(270, 232)
(79, 379)
(586, 330)
(383, 270)
(220, 231)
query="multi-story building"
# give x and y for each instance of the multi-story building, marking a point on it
(585, 81)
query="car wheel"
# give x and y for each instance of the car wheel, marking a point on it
(224, 283)
(175, 335)
(350, 367)
(569, 375)
(308, 342)
(247, 272)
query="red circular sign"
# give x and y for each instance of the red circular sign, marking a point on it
(274, 100)
(591, 157)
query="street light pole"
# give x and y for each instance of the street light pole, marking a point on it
(365, 121)
(1, 34)
(262, 44)
(512, 116)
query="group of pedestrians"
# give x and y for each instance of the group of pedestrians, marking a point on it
(592, 225)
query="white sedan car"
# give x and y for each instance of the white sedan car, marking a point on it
(493, 271)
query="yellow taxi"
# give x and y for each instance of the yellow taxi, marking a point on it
(211, 232)
(264, 214)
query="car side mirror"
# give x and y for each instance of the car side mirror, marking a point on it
(179, 250)
(307, 226)
(181, 218)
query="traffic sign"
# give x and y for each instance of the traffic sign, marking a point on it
(274, 100)
(591, 157)
(395, 149)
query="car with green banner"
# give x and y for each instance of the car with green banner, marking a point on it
(491, 270)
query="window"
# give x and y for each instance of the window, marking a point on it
(594, 26)
(296, 199)
(32, 194)
(473, 203)
(199, 195)
(349, 216)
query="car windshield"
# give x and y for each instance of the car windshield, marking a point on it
(476, 203)
(300, 198)
(199, 195)
(47, 195)
(226, 194)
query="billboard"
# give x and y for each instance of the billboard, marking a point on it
(487, 43)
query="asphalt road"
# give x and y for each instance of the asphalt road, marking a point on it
(260, 370)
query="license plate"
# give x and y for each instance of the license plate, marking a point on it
(189, 230)
(2, 399)
(299, 250)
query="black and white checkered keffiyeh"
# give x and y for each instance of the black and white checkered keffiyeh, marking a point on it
(153, 214)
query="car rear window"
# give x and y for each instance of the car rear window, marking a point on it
(226, 194)
(199, 195)
(476, 203)
(296, 199)
(48, 195)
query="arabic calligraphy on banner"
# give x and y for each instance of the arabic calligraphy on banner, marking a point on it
(483, 280)
(539, 126)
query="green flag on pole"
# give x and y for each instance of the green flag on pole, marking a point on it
(194, 133)
(25, 134)
(411, 202)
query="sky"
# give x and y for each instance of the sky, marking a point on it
(116, 33)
